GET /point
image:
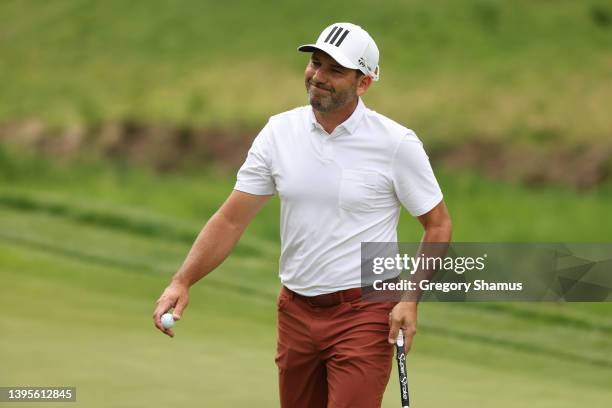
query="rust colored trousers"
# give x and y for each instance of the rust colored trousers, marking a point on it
(332, 356)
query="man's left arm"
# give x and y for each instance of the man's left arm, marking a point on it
(437, 229)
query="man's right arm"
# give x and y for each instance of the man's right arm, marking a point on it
(211, 247)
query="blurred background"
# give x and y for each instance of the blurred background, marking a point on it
(122, 125)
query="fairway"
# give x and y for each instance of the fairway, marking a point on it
(78, 292)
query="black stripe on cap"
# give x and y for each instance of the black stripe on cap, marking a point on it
(342, 38)
(336, 35)
(330, 34)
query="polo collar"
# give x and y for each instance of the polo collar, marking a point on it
(350, 125)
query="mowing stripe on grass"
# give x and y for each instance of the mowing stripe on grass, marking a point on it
(125, 264)
(516, 345)
(554, 319)
(117, 221)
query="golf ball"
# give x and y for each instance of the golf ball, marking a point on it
(167, 320)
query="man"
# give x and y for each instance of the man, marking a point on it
(342, 172)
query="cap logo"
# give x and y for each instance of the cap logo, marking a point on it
(334, 34)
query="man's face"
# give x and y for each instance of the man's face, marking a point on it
(330, 86)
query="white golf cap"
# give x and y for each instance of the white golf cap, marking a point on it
(350, 45)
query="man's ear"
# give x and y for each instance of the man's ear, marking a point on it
(364, 83)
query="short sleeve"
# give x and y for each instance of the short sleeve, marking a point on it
(255, 175)
(413, 178)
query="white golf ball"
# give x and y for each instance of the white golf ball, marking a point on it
(167, 320)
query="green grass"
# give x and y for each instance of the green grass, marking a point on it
(85, 251)
(451, 70)
(89, 326)
(135, 199)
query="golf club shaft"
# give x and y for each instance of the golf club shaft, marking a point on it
(401, 368)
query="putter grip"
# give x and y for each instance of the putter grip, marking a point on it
(401, 369)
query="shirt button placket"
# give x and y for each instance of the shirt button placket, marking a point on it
(326, 150)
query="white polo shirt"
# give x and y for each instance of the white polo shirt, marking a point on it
(336, 191)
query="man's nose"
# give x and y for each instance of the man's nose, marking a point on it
(319, 76)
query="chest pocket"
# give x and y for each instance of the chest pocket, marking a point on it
(360, 190)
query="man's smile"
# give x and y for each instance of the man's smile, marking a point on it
(319, 87)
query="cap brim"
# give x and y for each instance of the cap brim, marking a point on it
(332, 51)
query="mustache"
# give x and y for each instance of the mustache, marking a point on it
(320, 86)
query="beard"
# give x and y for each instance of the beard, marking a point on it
(329, 99)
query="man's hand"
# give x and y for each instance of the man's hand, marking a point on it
(175, 296)
(404, 316)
